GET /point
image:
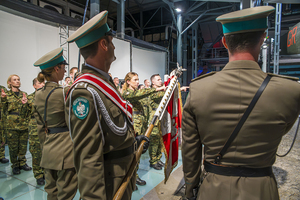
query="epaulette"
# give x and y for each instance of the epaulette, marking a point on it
(282, 76)
(204, 75)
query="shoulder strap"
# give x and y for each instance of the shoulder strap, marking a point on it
(242, 120)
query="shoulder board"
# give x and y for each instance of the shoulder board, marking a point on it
(282, 76)
(204, 75)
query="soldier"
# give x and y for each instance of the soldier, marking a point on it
(100, 120)
(243, 169)
(73, 72)
(140, 102)
(147, 83)
(57, 148)
(16, 126)
(2, 132)
(116, 82)
(155, 146)
(34, 143)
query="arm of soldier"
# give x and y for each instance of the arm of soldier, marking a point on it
(88, 144)
(4, 101)
(191, 149)
(157, 95)
(138, 94)
(26, 108)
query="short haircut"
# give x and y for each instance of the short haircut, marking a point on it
(115, 78)
(34, 81)
(152, 77)
(242, 42)
(67, 77)
(145, 80)
(91, 50)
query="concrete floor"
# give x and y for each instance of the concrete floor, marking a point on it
(24, 187)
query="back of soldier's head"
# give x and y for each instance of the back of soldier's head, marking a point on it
(243, 30)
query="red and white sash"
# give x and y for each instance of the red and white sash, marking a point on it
(107, 90)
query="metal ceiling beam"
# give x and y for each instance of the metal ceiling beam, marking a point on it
(152, 16)
(171, 6)
(203, 15)
(135, 22)
(39, 13)
(193, 8)
(116, 1)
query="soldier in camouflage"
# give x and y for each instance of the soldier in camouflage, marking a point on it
(16, 126)
(140, 102)
(2, 132)
(34, 142)
(155, 145)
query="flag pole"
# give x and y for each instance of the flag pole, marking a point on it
(158, 115)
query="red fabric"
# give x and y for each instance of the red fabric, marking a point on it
(107, 90)
(171, 130)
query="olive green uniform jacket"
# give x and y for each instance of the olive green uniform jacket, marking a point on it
(98, 178)
(57, 149)
(214, 107)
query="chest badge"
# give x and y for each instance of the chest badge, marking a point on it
(81, 107)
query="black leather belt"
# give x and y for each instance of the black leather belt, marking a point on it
(13, 113)
(32, 117)
(154, 109)
(237, 171)
(57, 130)
(120, 153)
(137, 112)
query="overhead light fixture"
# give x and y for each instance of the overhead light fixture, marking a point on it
(178, 10)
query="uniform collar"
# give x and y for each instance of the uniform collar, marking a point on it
(242, 64)
(106, 75)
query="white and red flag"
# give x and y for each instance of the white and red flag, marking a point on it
(171, 130)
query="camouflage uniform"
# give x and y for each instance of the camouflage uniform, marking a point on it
(34, 142)
(2, 135)
(155, 144)
(16, 127)
(140, 102)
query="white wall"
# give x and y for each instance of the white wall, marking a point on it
(121, 66)
(147, 62)
(24, 41)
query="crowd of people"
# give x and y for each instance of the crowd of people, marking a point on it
(85, 135)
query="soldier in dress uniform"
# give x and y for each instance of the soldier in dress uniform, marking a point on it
(17, 127)
(140, 102)
(2, 133)
(100, 120)
(57, 148)
(34, 142)
(211, 113)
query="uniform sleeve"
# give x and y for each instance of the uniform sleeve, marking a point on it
(191, 149)
(88, 145)
(137, 94)
(26, 108)
(157, 95)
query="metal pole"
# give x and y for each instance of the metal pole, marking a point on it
(86, 6)
(179, 41)
(121, 19)
(94, 8)
(194, 50)
(277, 38)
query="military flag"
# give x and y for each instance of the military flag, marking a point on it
(171, 129)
